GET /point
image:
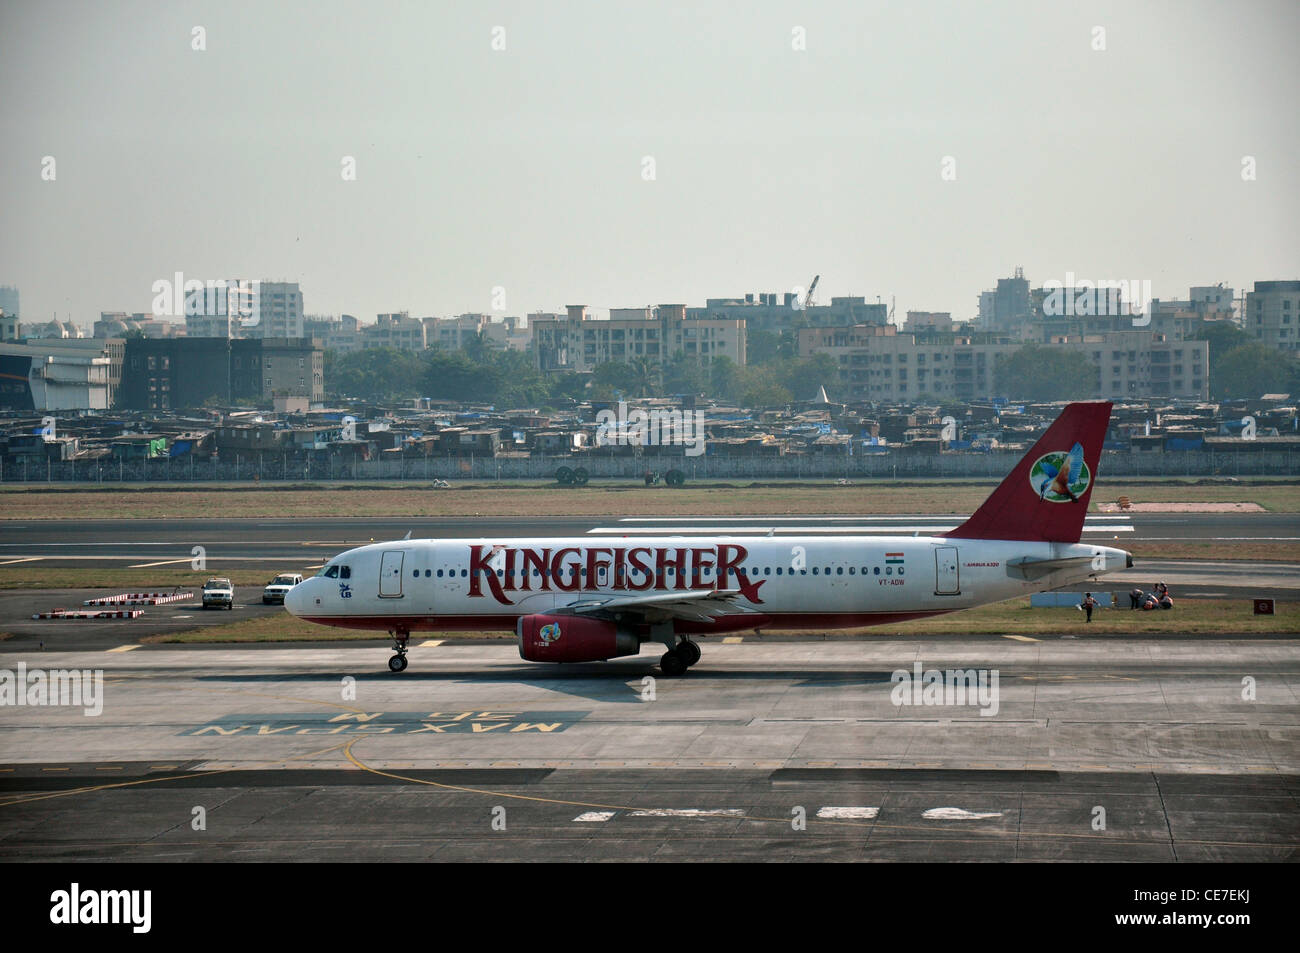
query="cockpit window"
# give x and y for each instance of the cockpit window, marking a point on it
(331, 572)
(345, 572)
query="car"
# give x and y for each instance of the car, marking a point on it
(218, 592)
(277, 587)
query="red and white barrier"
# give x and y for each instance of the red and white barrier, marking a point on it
(140, 599)
(83, 614)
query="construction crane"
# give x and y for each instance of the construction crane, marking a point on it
(808, 298)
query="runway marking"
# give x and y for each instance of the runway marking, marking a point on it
(175, 777)
(125, 648)
(594, 817)
(733, 640)
(984, 834)
(1021, 638)
(25, 559)
(864, 813)
(758, 529)
(430, 643)
(958, 814)
(165, 562)
(688, 812)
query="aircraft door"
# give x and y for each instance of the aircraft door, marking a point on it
(946, 581)
(390, 574)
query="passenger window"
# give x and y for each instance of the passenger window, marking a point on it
(439, 573)
(814, 570)
(428, 573)
(415, 574)
(839, 570)
(889, 570)
(876, 570)
(464, 573)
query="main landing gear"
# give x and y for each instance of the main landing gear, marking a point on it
(677, 660)
(398, 662)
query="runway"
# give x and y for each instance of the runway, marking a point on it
(776, 750)
(270, 542)
(303, 545)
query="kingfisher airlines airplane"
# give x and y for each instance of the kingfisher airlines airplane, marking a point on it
(579, 599)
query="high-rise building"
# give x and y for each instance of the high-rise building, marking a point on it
(9, 302)
(1007, 306)
(240, 308)
(1273, 314)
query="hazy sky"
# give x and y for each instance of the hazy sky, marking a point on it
(523, 168)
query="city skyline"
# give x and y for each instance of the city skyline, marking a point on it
(500, 153)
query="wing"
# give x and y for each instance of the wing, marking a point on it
(700, 605)
(1076, 463)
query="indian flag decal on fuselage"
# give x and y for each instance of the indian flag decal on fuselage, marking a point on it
(893, 559)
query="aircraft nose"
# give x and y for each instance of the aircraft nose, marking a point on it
(295, 600)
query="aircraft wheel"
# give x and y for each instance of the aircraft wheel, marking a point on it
(672, 664)
(690, 652)
(397, 663)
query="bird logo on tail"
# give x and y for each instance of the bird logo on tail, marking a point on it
(1060, 477)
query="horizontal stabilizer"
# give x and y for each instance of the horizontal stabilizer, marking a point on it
(1030, 569)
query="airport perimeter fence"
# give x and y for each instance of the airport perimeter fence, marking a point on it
(274, 468)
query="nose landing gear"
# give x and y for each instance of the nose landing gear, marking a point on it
(398, 662)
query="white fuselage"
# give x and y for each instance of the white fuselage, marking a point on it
(792, 582)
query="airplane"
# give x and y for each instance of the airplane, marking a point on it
(581, 599)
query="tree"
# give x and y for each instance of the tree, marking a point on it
(1223, 337)
(1039, 373)
(378, 374)
(645, 376)
(1252, 370)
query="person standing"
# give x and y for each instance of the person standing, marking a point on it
(1088, 604)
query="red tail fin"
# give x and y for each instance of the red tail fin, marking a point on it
(1046, 496)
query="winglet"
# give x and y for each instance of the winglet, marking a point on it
(1021, 507)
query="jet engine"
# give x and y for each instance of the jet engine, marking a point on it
(569, 638)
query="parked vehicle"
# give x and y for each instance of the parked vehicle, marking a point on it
(277, 587)
(218, 593)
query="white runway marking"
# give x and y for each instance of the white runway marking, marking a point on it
(689, 812)
(848, 813)
(737, 529)
(593, 817)
(957, 814)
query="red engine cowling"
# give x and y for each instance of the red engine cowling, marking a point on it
(568, 638)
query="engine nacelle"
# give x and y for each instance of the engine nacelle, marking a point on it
(571, 638)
